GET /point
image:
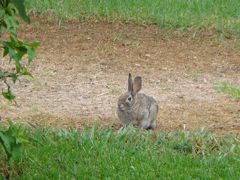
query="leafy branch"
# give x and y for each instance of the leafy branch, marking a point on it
(14, 48)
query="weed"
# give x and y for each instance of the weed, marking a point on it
(229, 89)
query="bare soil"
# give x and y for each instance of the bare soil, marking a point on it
(82, 68)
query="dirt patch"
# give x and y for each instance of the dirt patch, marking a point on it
(82, 68)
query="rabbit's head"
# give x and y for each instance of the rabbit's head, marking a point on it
(128, 99)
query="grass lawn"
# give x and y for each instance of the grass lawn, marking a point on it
(126, 154)
(221, 15)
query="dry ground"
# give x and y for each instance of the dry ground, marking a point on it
(82, 68)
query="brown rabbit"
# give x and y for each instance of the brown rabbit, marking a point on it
(137, 108)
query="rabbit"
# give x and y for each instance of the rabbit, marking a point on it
(136, 108)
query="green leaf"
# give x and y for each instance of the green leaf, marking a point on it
(19, 4)
(12, 52)
(5, 141)
(22, 49)
(11, 24)
(16, 150)
(31, 50)
(31, 54)
(8, 94)
(26, 72)
(34, 44)
(2, 12)
(19, 66)
(10, 141)
(19, 55)
(9, 49)
(5, 52)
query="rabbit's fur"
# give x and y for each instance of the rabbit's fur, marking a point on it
(137, 108)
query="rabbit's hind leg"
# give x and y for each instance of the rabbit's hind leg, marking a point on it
(145, 123)
(149, 120)
(153, 116)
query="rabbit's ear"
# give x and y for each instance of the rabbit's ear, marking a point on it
(137, 85)
(130, 83)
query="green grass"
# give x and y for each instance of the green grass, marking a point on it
(127, 154)
(229, 89)
(222, 15)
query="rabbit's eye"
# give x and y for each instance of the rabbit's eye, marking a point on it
(129, 98)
